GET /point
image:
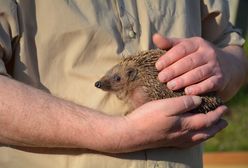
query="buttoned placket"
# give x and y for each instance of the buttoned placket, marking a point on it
(130, 36)
(129, 28)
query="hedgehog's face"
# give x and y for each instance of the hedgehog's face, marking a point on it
(117, 78)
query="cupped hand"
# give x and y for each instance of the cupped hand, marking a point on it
(166, 123)
(197, 65)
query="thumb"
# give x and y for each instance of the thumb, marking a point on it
(179, 105)
(164, 43)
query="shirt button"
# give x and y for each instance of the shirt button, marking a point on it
(131, 34)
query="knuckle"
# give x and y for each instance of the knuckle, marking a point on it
(216, 71)
(191, 62)
(212, 84)
(182, 48)
(201, 73)
(198, 39)
(212, 53)
(213, 66)
(208, 70)
(219, 82)
(216, 82)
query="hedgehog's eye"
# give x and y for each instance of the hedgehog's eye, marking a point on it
(117, 78)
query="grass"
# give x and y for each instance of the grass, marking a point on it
(235, 136)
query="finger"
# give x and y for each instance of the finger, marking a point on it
(192, 77)
(211, 84)
(177, 52)
(197, 137)
(162, 42)
(203, 135)
(180, 67)
(201, 121)
(178, 105)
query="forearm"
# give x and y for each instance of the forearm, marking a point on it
(30, 117)
(238, 67)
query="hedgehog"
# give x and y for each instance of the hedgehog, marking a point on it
(135, 81)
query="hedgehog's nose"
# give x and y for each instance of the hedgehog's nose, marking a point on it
(98, 84)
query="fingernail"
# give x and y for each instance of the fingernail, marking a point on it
(224, 110)
(159, 65)
(171, 85)
(197, 100)
(188, 91)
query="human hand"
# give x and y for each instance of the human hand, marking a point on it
(198, 66)
(165, 123)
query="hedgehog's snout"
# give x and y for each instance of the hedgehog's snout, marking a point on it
(103, 84)
(98, 84)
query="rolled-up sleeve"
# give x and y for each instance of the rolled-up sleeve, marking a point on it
(216, 26)
(9, 31)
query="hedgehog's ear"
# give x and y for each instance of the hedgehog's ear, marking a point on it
(131, 73)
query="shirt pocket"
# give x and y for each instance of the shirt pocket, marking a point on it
(177, 18)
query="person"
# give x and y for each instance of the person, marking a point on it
(52, 52)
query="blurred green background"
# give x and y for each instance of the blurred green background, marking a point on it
(235, 136)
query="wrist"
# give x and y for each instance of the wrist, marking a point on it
(105, 133)
(236, 72)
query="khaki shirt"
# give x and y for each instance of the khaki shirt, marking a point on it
(64, 46)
